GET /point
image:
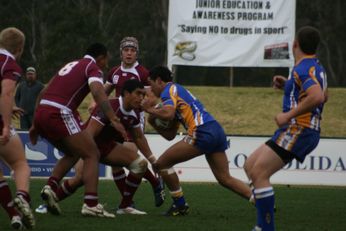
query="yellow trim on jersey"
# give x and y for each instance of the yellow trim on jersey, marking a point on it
(288, 138)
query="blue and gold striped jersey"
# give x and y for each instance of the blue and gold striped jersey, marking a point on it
(189, 110)
(306, 73)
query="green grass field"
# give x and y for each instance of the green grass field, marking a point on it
(251, 111)
(241, 111)
(212, 208)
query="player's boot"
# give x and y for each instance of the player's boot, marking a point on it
(24, 208)
(130, 210)
(175, 210)
(41, 209)
(16, 222)
(48, 195)
(256, 228)
(96, 211)
(159, 193)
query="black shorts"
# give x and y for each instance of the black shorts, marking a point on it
(286, 156)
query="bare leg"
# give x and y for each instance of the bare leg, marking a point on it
(177, 153)
(83, 145)
(218, 163)
(260, 166)
(14, 155)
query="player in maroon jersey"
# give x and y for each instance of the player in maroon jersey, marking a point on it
(113, 151)
(11, 148)
(117, 76)
(57, 119)
(128, 69)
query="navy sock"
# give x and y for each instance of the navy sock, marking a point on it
(265, 208)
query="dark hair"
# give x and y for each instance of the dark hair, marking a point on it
(309, 39)
(96, 49)
(131, 85)
(161, 71)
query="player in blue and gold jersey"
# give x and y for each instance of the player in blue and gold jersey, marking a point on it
(305, 93)
(204, 136)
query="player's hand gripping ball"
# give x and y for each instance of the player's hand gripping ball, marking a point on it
(164, 124)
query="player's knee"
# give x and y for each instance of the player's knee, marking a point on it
(163, 169)
(139, 165)
(167, 171)
(257, 174)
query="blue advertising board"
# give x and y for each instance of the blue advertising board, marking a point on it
(42, 157)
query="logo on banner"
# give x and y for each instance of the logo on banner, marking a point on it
(185, 50)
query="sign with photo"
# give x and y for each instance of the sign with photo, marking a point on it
(231, 33)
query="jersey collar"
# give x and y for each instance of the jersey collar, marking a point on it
(131, 69)
(305, 57)
(122, 109)
(89, 57)
(6, 52)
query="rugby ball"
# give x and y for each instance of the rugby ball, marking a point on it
(164, 124)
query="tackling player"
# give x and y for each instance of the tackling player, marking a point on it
(57, 119)
(117, 76)
(113, 151)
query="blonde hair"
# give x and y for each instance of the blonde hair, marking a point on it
(12, 39)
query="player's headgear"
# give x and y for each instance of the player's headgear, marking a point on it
(129, 42)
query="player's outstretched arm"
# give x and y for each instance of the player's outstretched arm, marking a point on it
(108, 89)
(142, 144)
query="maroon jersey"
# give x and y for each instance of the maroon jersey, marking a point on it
(108, 136)
(117, 76)
(129, 119)
(71, 84)
(9, 69)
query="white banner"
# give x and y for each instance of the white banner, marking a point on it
(231, 32)
(326, 165)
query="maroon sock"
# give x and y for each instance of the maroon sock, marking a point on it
(149, 176)
(24, 194)
(53, 182)
(91, 199)
(119, 180)
(6, 199)
(132, 183)
(65, 190)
